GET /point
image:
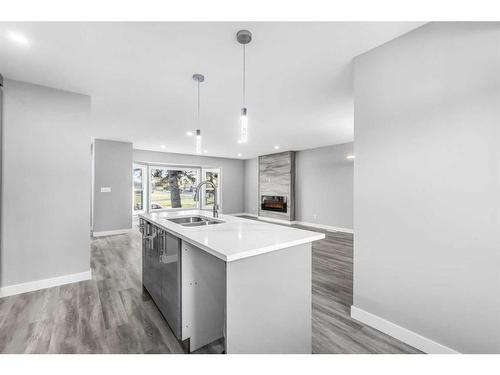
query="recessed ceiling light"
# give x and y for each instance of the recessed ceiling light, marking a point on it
(276, 147)
(163, 146)
(189, 133)
(205, 151)
(239, 155)
(350, 157)
(18, 38)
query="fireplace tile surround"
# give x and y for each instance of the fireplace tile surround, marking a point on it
(277, 186)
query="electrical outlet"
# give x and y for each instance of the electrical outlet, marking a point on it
(105, 190)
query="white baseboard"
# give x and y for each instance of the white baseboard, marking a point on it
(326, 227)
(305, 223)
(111, 232)
(45, 283)
(243, 214)
(409, 337)
(278, 221)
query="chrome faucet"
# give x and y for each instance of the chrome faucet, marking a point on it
(197, 195)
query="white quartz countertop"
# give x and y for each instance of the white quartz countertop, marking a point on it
(236, 238)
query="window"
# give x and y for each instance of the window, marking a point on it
(212, 175)
(139, 188)
(173, 187)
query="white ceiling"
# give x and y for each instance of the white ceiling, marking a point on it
(299, 91)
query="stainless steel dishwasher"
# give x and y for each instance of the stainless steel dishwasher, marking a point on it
(161, 272)
(170, 270)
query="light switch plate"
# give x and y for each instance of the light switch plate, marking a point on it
(105, 190)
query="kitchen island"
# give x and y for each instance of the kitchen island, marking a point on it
(245, 281)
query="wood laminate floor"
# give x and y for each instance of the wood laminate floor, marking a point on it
(112, 314)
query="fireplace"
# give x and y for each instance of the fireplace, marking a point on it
(276, 203)
(276, 199)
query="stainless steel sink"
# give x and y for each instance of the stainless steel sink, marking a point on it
(201, 223)
(194, 221)
(187, 219)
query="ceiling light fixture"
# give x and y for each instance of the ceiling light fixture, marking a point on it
(162, 146)
(244, 37)
(18, 38)
(189, 133)
(350, 157)
(239, 155)
(276, 147)
(205, 151)
(198, 78)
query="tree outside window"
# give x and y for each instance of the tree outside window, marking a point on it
(173, 188)
(209, 191)
(138, 191)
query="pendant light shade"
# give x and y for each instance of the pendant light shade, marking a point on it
(244, 37)
(198, 141)
(243, 126)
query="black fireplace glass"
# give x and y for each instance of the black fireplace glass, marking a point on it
(276, 203)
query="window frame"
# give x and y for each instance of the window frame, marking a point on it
(147, 167)
(204, 187)
(145, 197)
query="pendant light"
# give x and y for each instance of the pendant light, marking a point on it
(198, 141)
(198, 78)
(244, 37)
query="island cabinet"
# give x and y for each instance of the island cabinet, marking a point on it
(186, 284)
(268, 302)
(243, 281)
(203, 296)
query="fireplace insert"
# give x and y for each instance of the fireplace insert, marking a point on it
(275, 203)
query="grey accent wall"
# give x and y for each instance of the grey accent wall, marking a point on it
(427, 184)
(46, 176)
(112, 169)
(323, 186)
(232, 170)
(252, 186)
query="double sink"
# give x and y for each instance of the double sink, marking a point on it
(195, 221)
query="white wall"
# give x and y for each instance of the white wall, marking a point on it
(427, 184)
(252, 186)
(232, 171)
(323, 186)
(46, 176)
(112, 211)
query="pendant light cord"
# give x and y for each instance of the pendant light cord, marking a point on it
(198, 103)
(244, 74)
